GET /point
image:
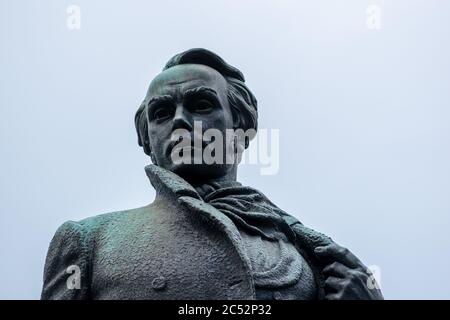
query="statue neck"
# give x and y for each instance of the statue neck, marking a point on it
(207, 186)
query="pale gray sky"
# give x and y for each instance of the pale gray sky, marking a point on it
(363, 116)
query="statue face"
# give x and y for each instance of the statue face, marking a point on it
(178, 97)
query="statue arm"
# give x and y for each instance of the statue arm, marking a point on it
(66, 265)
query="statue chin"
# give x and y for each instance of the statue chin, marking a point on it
(200, 173)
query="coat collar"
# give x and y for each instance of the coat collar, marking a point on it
(165, 181)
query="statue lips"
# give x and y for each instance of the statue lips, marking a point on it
(173, 143)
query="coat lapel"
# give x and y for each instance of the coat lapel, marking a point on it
(171, 185)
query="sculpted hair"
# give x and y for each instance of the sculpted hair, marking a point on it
(242, 102)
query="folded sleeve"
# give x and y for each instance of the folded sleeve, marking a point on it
(66, 274)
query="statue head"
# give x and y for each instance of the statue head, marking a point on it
(196, 91)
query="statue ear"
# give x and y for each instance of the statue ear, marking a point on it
(140, 121)
(236, 120)
(238, 124)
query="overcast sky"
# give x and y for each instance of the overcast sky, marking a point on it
(363, 115)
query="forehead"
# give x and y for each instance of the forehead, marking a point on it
(180, 78)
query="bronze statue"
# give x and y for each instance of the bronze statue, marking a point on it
(205, 236)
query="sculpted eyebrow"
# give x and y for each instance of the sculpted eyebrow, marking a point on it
(155, 99)
(199, 91)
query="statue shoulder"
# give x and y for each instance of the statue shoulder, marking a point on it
(70, 251)
(103, 221)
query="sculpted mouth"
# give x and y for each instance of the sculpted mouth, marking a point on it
(173, 143)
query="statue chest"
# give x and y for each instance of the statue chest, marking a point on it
(168, 252)
(173, 252)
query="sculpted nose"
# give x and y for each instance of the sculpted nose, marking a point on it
(181, 119)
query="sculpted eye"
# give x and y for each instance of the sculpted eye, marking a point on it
(162, 114)
(202, 106)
